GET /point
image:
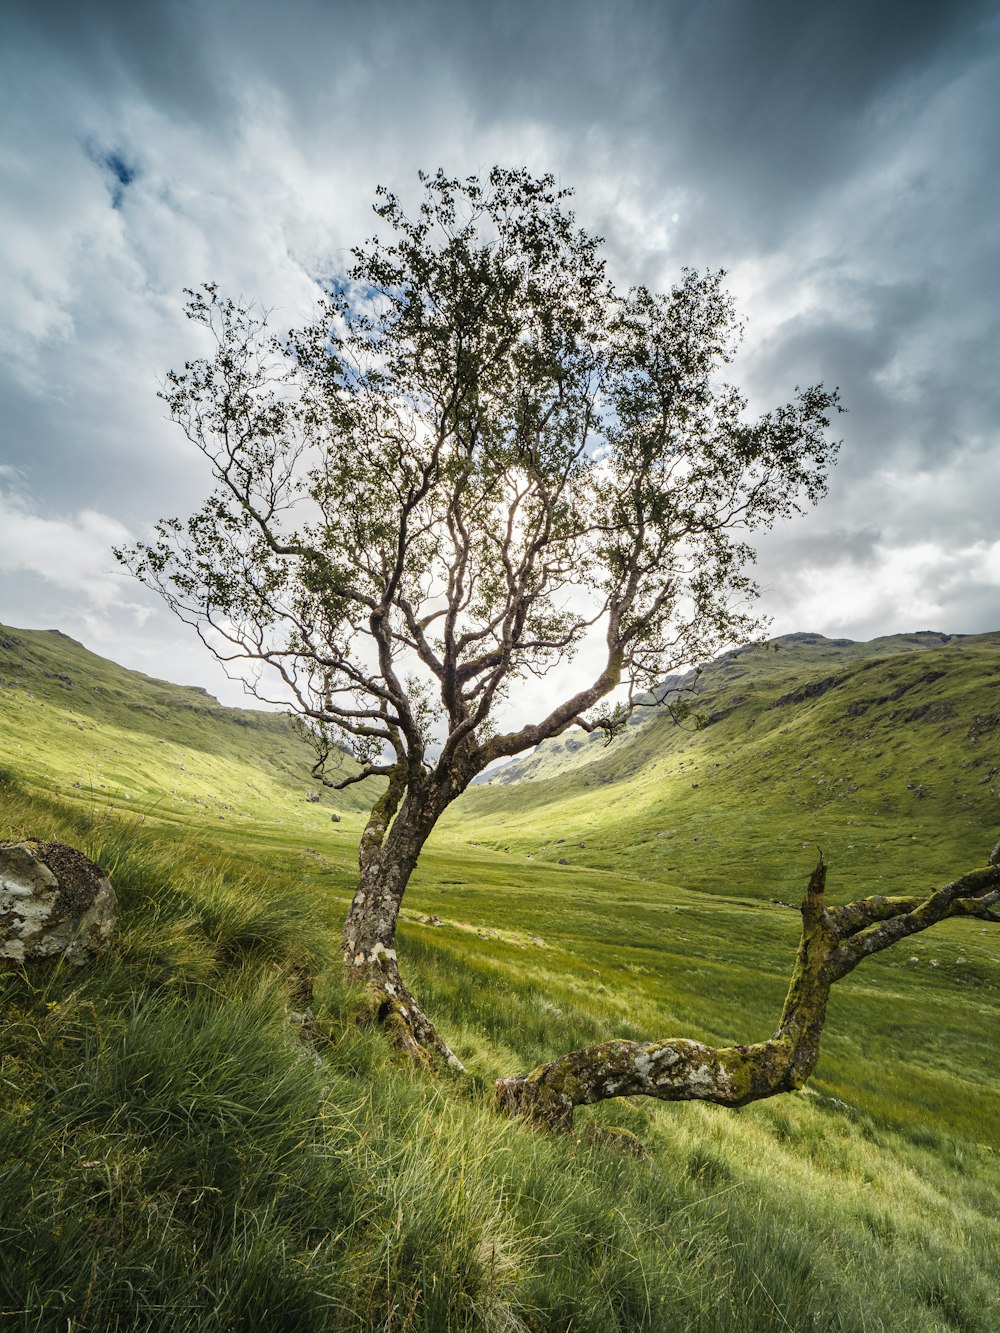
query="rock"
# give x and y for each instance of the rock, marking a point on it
(312, 797)
(562, 861)
(335, 819)
(983, 724)
(53, 900)
(995, 855)
(434, 921)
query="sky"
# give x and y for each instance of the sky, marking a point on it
(840, 160)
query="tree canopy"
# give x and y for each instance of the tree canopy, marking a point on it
(479, 455)
(478, 459)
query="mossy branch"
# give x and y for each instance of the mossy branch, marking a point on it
(834, 940)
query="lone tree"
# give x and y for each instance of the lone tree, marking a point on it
(480, 459)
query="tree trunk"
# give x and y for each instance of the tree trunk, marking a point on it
(387, 860)
(834, 940)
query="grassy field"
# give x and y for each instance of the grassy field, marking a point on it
(180, 1153)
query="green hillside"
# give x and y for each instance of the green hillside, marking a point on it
(179, 1152)
(87, 728)
(886, 754)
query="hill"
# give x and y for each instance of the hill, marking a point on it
(184, 1147)
(784, 659)
(91, 728)
(886, 754)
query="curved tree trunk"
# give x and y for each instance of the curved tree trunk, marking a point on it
(387, 859)
(834, 940)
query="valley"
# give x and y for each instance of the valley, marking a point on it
(643, 889)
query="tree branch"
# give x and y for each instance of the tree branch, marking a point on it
(681, 1070)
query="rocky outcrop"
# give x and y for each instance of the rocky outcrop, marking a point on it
(813, 690)
(53, 901)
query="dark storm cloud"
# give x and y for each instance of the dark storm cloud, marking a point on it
(760, 108)
(841, 160)
(762, 102)
(163, 51)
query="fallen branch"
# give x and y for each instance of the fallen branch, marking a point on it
(834, 941)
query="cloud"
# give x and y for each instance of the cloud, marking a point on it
(839, 161)
(920, 586)
(74, 553)
(58, 572)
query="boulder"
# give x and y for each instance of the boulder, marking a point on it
(53, 900)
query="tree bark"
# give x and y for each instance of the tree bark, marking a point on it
(388, 854)
(834, 940)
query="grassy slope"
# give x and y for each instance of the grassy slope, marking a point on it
(91, 729)
(355, 1196)
(886, 754)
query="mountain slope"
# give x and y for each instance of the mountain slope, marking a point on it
(886, 754)
(181, 1152)
(124, 736)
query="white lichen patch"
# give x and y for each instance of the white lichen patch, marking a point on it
(653, 1061)
(380, 951)
(667, 1055)
(643, 1064)
(704, 1078)
(39, 918)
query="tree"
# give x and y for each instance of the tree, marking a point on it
(479, 458)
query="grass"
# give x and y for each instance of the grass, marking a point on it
(96, 732)
(894, 770)
(179, 1152)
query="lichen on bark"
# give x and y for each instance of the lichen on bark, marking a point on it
(390, 846)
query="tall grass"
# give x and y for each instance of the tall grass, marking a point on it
(177, 1152)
